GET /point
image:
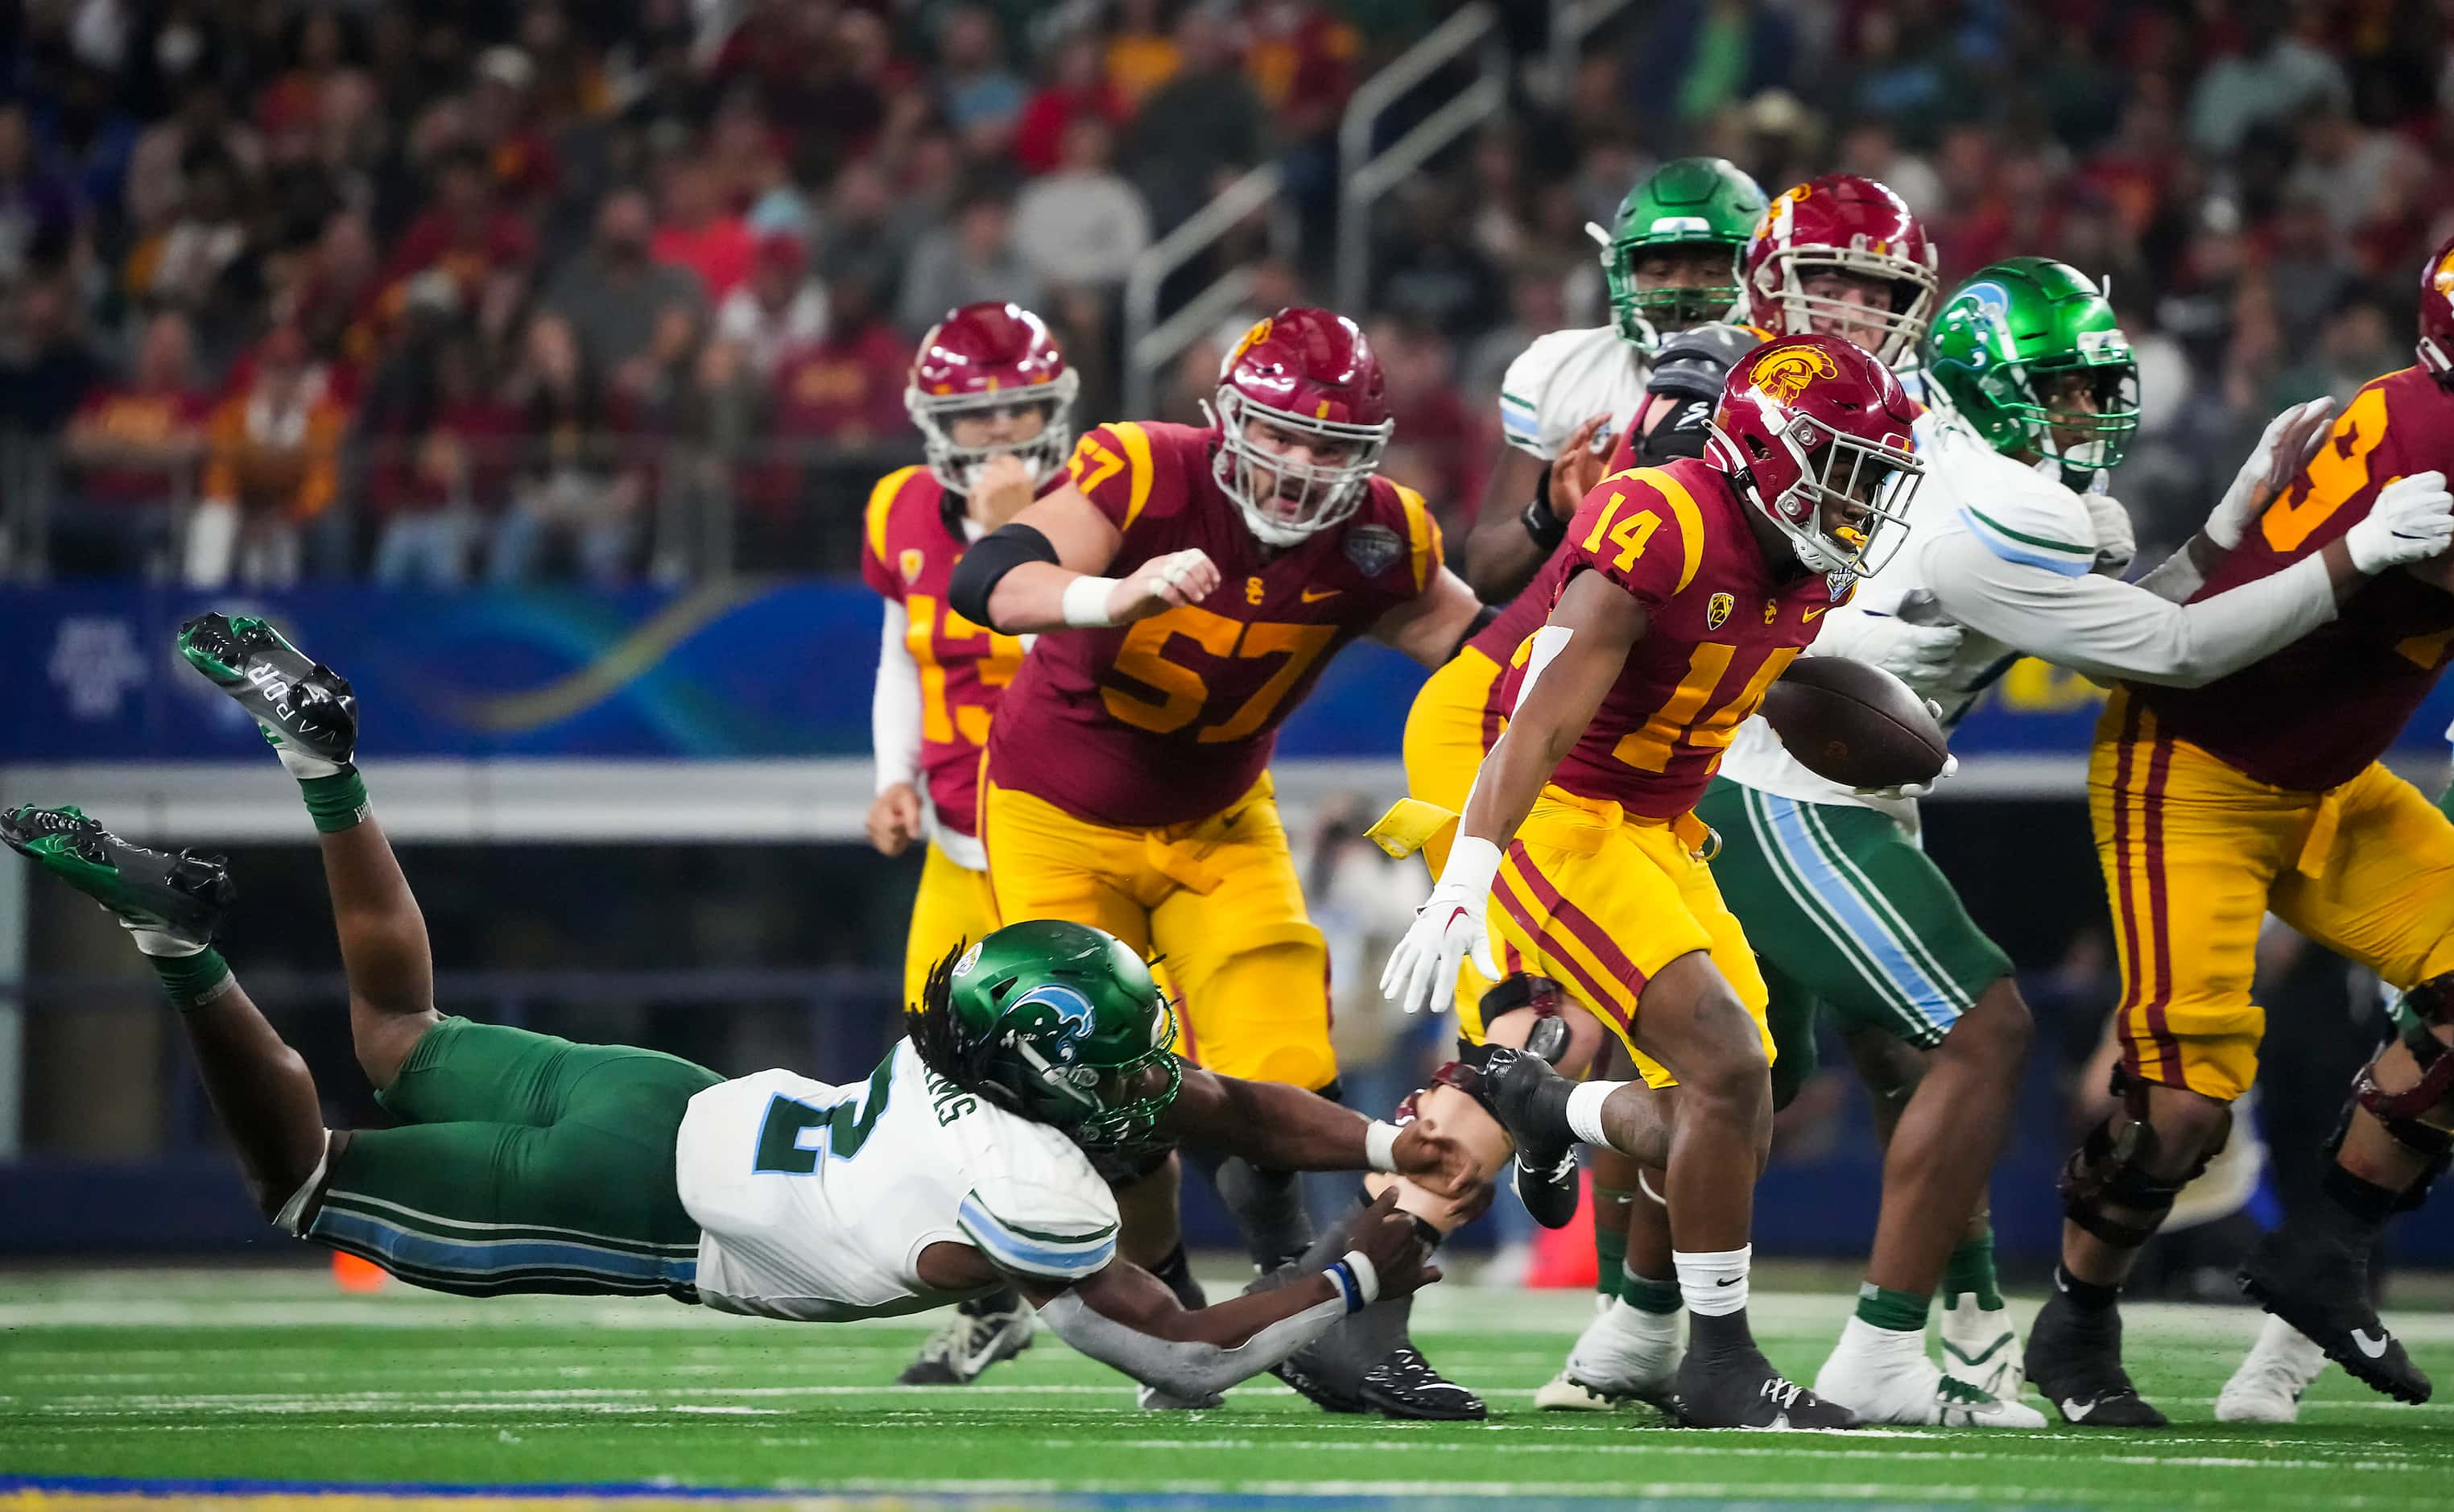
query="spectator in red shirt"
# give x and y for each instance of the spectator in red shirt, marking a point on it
(502, 125)
(455, 476)
(1078, 85)
(132, 450)
(843, 391)
(466, 232)
(698, 231)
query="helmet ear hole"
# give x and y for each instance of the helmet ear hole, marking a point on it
(997, 990)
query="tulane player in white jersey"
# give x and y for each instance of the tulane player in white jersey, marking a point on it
(529, 1163)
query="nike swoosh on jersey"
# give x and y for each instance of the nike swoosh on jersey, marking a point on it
(1314, 595)
(1807, 614)
(2374, 1349)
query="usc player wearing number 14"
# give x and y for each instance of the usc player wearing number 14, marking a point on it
(993, 400)
(1127, 783)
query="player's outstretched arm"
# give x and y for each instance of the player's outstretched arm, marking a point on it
(1125, 1317)
(1039, 572)
(1286, 1128)
(1575, 658)
(1526, 507)
(1432, 625)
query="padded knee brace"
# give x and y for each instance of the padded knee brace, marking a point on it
(2115, 1167)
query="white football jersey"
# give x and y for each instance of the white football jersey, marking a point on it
(1566, 378)
(2020, 514)
(814, 1201)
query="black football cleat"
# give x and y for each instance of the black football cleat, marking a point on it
(1310, 1381)
(2074, 1360)
(2319, 1285)
(174, 893)
(1403, 1385)
(1741, 1390)
(1507, 1083)
(298, 703)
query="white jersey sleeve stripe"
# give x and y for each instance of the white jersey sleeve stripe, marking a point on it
(2065, 557)
(1035, 1252)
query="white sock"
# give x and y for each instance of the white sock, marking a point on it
(1713, 1282)
(1585, 1110)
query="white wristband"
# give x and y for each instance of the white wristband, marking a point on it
(1381, 1146)
(1367, 1280)
(1085, 605)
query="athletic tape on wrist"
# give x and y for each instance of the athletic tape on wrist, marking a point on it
(1356, 1279)
(1380, 1145)
(1085, 604)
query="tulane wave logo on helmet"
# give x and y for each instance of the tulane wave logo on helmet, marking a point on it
(1055, 1014)
(1785, 372)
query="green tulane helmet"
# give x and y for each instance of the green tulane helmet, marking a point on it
(2004, 349)
(1684, 202)
(1058, 1023)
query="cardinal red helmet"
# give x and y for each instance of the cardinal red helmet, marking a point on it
(1303, 415)
(2437, 313)
(979, 360)
(1841, 223)
(1815, 432)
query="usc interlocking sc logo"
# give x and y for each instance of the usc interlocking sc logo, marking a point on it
(1254, 337)
(1785, 372)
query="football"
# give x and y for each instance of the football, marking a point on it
(1855, 723)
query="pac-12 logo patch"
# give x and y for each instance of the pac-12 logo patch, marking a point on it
(970, 959)
(1717, 610)
(1373, 549)
(911, 562)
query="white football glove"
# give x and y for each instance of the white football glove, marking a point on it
(2412, 520)
(2288, 440)
(2116, 541)
(1918, 654)
(1423, 971)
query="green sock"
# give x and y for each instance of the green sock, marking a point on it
(1900, 1312)
(192, 980)
(1971, 1269)
(1661, 1298)
(1610, 1238)
(336, 802)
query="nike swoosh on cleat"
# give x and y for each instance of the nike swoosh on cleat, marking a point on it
(2077, 1411)
(2374, 1349)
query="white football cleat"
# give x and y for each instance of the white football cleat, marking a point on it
(1981, 1346)
(2268, 1387)
(1564, 1394)
(1624, 1355)
(1884, 1377)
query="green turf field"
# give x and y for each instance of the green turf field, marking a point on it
(279, 1377)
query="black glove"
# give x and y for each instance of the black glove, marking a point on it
(1690, 368)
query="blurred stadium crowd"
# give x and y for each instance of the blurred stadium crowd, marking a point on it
(430, 291)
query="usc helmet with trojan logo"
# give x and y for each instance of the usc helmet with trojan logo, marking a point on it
(2436, 314)
(1058, 1023)
(1815, 432)
(1841, 223)
(1302, 411)
(983, 357)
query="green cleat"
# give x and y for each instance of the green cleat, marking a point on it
(305, 709)
(177, 894)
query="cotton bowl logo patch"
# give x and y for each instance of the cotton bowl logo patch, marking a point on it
(1717, 610)
(1373, 549)
(1785, 372)
(1054, 1013)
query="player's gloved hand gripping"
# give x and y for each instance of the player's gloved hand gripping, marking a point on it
(1423, 971)
(2290, 440)
(2411, 521)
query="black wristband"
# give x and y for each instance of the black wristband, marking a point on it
(1542, 522)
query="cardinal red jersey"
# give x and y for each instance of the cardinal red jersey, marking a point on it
(1723, 626)
(1173, 718)
(907, 553)
(2313, 715)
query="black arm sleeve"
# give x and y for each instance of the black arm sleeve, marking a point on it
(987, 560)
